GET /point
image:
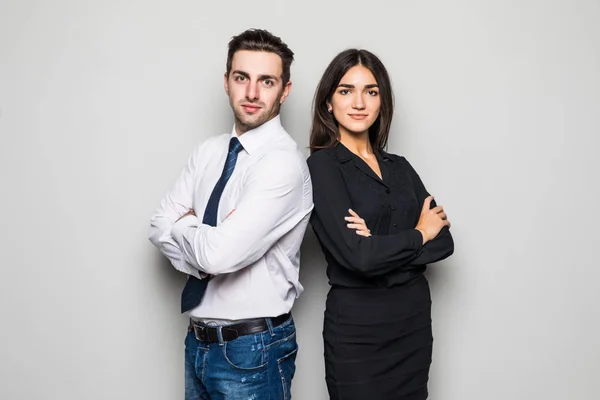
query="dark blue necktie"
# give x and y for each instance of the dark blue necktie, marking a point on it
(194, 288)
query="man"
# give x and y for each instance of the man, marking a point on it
(234, 222)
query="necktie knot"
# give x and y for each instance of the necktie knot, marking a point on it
(234, 145)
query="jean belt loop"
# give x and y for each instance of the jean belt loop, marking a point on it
(270, 326)
(220, 335)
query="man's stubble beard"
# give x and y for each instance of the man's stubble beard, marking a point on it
(243, 126)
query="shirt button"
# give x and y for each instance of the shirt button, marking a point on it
(387, 191)
(395, 225)
(393, 208)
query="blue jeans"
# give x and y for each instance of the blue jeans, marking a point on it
(258, 366)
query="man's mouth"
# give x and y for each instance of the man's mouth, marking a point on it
(250, 108)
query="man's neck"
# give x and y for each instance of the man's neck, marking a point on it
(240, 128)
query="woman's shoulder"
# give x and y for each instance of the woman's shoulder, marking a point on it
(325, 156)
(394, 157)
(399, 160)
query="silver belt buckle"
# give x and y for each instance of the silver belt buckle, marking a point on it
(200, 332)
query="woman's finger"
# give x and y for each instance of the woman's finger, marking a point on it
(427, 204)
(437, 209)
(357, 226)
(356, 220)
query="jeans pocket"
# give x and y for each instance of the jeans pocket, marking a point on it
(245, 353)
(287, 369)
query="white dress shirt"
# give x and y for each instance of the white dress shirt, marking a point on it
(254, 253)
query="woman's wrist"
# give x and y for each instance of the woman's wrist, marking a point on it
(425, 238)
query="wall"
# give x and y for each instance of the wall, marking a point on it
(498, 108)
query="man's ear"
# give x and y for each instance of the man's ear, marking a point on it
(286, 92)
(226, 83)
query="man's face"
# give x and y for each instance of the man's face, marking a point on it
(255, 88)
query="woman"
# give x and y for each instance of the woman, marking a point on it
(378, 228)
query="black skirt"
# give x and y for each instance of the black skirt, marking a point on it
(378, 342)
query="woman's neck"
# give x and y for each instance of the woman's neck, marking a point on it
(359, 144)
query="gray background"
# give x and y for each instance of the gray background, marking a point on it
(498, 108)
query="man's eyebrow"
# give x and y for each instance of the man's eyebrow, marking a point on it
(240, 72)
(263, 77)
(260, 77)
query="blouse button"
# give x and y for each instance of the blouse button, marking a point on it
(395, 225)
(393, 208)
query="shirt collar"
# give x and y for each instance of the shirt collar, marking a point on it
(255, 138)
(344, 155)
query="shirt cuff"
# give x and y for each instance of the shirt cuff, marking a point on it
(179, 227)
(417, 238)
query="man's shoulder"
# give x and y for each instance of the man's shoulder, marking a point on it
(281, 147)
(284, 157)
(284, 141)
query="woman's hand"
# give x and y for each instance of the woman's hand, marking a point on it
(190, 212)
(356, 222)
(431, 221)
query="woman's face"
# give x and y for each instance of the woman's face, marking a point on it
(356, 102)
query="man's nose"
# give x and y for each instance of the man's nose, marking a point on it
(252, 91)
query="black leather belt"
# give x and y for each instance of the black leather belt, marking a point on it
(205, 333)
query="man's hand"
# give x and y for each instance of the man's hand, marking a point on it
(191, 212)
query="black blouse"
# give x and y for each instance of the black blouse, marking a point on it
(390, 206)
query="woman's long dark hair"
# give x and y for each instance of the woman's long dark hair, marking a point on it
(324, 131)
